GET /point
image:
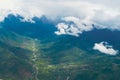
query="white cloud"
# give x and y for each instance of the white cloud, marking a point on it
(74, 26)
(62, 28)
(103, 47)
(27, 9)
(103, 13)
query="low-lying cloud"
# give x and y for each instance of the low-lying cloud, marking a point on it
(73, 26)
(103, 47)
(82, 14)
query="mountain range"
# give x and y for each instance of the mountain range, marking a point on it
(31, 51)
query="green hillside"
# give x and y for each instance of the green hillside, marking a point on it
(25, 58)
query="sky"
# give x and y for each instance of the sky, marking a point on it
(75, 16)
(105, 14)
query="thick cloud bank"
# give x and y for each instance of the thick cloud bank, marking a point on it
(77, 15)
(103, 47)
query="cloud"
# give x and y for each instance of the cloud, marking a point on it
(74, 26)
(103, 47)
(82, 13)
(26, 9)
